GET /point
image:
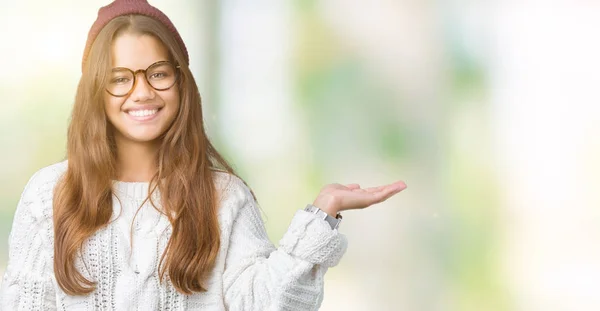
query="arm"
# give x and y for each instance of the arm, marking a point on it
(27, 282)
(258, 276)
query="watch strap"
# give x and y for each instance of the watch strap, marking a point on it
(333, 222)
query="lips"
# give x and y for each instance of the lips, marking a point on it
(143, 114)
(142, 107)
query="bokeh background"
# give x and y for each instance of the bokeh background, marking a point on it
(488, 110)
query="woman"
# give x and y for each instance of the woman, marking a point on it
(145, 214)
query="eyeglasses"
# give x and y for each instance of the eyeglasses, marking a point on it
(160, 76)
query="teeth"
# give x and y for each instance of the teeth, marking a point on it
(142, 113)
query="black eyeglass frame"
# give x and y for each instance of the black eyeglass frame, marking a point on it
(134, 73)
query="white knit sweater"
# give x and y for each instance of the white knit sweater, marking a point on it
(250, 273)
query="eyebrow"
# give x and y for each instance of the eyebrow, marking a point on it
(123, 67)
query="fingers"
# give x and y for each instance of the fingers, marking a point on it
(392, 189)
(388, 189)
(358, 198)
(353, 186)
(375, 189)
(382, 193)
(399, 185)
(387, 192)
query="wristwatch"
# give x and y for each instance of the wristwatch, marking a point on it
(333, 222)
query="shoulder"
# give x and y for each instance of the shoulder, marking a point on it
(233, 191)
(50, 173)
(228, 183)
(43, 181)
(39, 191)
(33, 214)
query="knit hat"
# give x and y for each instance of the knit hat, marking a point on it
(125, 7)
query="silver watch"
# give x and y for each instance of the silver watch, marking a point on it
(333, 222)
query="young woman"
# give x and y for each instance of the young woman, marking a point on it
(145, 214)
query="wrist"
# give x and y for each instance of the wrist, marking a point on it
(326, 206)
(334, 222)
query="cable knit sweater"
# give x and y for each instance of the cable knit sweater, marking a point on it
(250, 273)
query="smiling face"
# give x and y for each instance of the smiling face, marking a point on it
(145, 113)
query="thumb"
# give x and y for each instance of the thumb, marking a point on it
(353, 186)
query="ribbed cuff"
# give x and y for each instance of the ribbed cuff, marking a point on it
(312, 239)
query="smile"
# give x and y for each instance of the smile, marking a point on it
(142, 115)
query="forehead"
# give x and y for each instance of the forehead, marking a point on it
(136, 51)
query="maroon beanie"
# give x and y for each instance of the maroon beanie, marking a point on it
(126, 7)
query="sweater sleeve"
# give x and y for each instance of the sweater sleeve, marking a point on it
(258, 276)
(27, 283)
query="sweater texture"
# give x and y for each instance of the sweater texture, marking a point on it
(250, 272)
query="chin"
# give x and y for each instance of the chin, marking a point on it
(143, 137)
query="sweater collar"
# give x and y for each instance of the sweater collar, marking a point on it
(132, 190)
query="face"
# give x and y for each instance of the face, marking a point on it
(145, 113)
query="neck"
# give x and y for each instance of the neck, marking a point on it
(136, 161)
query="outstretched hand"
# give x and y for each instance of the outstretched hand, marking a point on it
(335, 198)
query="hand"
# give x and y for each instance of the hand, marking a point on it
(335, 198)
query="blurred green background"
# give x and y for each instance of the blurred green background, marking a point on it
(486, 110)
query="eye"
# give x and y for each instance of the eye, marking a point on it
(119, 80)
(158, 75)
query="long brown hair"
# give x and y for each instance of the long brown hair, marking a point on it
(186, 164)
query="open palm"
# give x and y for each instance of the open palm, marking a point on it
(335, 198)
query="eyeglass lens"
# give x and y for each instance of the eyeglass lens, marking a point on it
(160, 76)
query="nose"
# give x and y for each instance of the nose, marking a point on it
(141, 90)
